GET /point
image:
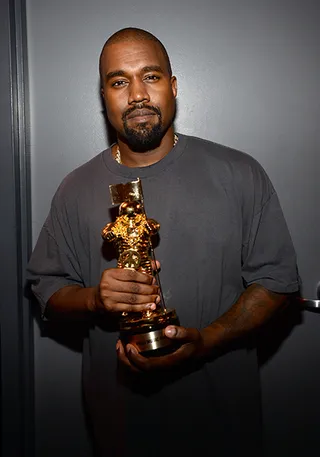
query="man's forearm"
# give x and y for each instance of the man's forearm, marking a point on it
(72, 301)
(255, 306)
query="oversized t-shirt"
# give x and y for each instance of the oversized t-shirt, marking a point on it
(221, 229)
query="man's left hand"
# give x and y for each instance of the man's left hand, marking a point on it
(191, 347)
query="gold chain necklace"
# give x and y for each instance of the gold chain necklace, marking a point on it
(118, 154)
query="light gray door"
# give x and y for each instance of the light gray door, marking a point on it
(249, 77)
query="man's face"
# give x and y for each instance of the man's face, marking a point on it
(138, 92)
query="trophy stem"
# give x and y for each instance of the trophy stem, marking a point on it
(156, 274)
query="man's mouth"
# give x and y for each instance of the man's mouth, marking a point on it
(140, 113)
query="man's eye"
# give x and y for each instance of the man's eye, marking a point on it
(118, 83)
(152, 77)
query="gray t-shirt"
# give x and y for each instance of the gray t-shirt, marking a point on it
(222, 229)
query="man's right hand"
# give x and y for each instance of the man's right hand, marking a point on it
(126, 290)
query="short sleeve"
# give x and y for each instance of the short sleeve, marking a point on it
(268, 255)
(53, 263)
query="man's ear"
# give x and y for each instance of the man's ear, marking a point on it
(174, 86)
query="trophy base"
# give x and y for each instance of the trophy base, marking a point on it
(147, 333)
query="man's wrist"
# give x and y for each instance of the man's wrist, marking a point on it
(93, 299)
(212, 337)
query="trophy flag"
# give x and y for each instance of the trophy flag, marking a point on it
(129, 192)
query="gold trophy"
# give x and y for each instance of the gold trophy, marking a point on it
(131, 232)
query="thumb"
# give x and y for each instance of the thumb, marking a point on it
(181, 333)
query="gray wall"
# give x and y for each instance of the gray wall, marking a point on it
(249, 77)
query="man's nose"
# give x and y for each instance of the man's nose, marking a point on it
(138, 92)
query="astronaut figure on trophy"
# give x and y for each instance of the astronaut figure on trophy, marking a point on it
(131, 232)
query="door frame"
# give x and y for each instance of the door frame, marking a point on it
(16, 322)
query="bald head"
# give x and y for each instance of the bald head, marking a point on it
(130, 34)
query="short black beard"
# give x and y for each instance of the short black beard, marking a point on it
(144, 138)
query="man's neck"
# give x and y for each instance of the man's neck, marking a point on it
(143, 159)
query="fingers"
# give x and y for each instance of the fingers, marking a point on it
(123, 357)
(157, 363)
(120, 304)
(189, 338)
(130, 275)
(127, 290)
(155, 265)
(133, 288)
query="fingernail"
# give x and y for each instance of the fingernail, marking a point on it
(158, 299)
(151, 306)
(131, 350)
(118, 346)
(171, 331)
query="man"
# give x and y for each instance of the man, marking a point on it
(227, 266)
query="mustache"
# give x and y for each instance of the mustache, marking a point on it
(141, 106)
